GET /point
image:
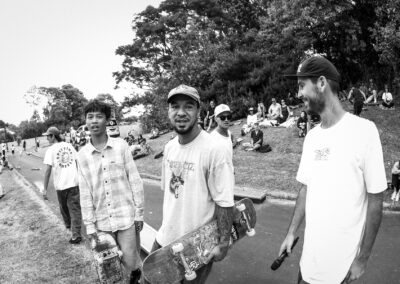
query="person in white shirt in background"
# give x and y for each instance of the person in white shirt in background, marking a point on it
(387, 99)
(61, 157)
(252, 118)
(222, 133)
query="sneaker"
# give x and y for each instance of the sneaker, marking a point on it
(393, 195)
(397, 197)
(75, 241)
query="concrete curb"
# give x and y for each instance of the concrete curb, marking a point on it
(277, 194)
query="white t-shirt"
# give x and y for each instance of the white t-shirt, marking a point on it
(339, 165)
(195, 177)
(62, 156)
(251, 119)
(275, 109)
(226, 140)
(386, 96)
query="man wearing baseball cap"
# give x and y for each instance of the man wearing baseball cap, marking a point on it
(197, 179)
(343, 179)
(223, 118)
(61, 157)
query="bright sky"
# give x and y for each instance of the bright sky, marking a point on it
(55, 42)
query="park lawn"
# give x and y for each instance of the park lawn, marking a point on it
(276, 170)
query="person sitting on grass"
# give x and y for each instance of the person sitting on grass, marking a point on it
(302, 124)
(285, 112)
(155, 132)
(251, 119)
(140, 150)
(387, 99)
(395, 181)
(256, 139)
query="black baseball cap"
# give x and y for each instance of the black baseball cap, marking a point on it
(316, 66)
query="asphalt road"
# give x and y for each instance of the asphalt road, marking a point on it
(250, 259)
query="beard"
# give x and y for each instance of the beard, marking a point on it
(317, 103)
(186, 130)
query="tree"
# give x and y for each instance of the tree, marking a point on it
(116, 110)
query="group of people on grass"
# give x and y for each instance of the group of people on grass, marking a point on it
(361, 94)
(341, 170)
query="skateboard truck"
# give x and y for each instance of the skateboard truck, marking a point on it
(250, 231)
(177, 250)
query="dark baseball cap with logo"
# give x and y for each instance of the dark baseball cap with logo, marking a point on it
(315, 67)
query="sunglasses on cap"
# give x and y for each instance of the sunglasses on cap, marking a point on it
(225, 117)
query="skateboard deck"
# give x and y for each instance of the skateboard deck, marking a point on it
(180, 259)
(107, 259)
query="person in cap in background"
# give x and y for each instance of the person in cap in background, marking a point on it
(61, 157)
(343, 177)
(197, 179)
(223, 118)
(112, 197)
(251, 119)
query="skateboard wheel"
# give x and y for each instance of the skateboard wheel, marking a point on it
(190, 275)
(251, 233)
(100, 261)
(120, 254)
(241, 207)
(177, 248)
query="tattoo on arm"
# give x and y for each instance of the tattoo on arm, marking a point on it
(224, 216)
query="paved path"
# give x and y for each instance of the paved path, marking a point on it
(249, 261)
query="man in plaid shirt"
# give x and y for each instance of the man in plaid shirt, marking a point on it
(111, 189)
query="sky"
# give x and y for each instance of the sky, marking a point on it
(51, 43)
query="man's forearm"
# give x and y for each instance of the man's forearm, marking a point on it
(224, 217)
(46, 179)
(372, 224)
(299, 211)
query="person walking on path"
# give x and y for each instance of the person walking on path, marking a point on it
(23, 147)
(112, 194)
(395, 181)
(357, 97)
(197, 179)
(61, 157)
(343, 177)
(222, 133)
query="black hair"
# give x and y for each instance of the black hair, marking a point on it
(97, 105)
(58, 138)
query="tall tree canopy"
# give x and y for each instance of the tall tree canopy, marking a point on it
(236, 51)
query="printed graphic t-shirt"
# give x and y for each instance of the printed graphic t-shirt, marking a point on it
(339, 165)
(61, 156)
(195, 177)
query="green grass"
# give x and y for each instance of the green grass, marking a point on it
(33, 247)
(277, 170)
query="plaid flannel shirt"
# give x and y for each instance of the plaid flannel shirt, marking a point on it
(111, 190)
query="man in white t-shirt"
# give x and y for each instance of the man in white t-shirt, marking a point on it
(343, 174)
(61, 157)
(275, 110)
(221, 133)
(387, 98)
(197, 179)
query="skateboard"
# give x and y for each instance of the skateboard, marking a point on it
(107, 259)
(180, 259)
